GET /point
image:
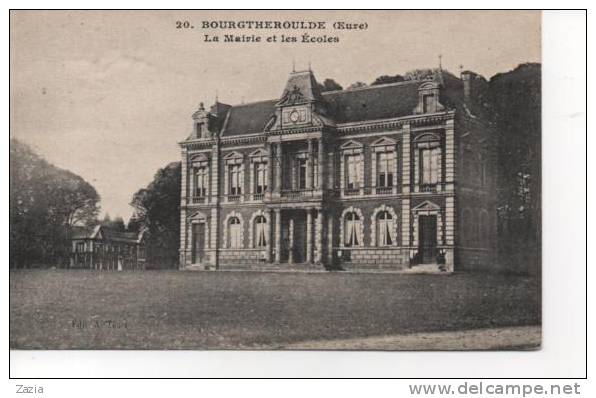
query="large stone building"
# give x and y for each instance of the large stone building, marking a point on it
(389, 176)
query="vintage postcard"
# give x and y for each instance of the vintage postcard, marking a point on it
(275, 180)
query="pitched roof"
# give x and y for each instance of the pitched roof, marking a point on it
(305, 83)
(104, 233)
(248, 118)
(345, 106)
(110, 234)
(79, 232)
(375, 102)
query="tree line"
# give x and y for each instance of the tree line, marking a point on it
(45, 203)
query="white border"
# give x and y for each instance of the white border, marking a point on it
(564, 261)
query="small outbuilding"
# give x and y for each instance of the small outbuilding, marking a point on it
(103, 248)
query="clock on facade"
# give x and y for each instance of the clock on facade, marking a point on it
(294, 116)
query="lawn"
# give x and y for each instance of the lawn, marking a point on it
(57, 309)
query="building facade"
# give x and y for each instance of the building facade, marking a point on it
(390, 176)
(102, 248)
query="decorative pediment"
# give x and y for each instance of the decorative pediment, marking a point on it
(427, 137)
(431, 85)
(259, 155)
(199, 158)
(351, 145)
(233, 155)
(383, 141)
(198, 216)
(258, 152)
(426, 206)
(293, 96)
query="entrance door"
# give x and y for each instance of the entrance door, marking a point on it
(428, 238)
(300, 238)
(198, 243)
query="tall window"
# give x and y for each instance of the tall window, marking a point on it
(235, 232)
(301, 168)
(353, 230)
(482, 171)
(385, 226)
(200, 130)
(385, 169)
(260, 232)
(260, 177)
(353, 171)
(201, 181)
(315, 164)
(428, 103)
(235, 179)
(429, 165)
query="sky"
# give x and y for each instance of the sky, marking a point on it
(109, 94)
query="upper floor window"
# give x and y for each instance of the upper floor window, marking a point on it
(353, 178)
(302, 170)
(201, 181)
(235, 174)
(429, 165)
(200, 129)
(428, 103)
(260, 170)
(385, 169)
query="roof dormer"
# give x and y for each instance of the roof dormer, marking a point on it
(300, 101)
(206, 124)
(428, 98)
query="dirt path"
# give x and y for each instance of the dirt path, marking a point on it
(510, 338)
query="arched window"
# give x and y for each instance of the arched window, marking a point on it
(385, 226)
(235, 233)
(260, 232)
(353, 229)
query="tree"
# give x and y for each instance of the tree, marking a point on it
(420, 74)
(330, 85)
(356, 85)
(134, 224)
(117, 224)
(157, 208)
(515, 101)
(386, 79)
(45, 203)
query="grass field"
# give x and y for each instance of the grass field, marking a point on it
(55, 309)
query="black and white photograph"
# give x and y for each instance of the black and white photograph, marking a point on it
(275, 180)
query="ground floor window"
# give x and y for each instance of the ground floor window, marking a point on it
(260, 232)
(353, 230)
(385, 226)
(235, 233)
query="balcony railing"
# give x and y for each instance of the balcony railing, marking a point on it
(351, 191)
(428, 187)
(297, 193)
(234, 198)
(384, 190)
(198, 199)
(258, 196)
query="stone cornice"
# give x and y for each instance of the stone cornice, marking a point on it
(380, 124)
